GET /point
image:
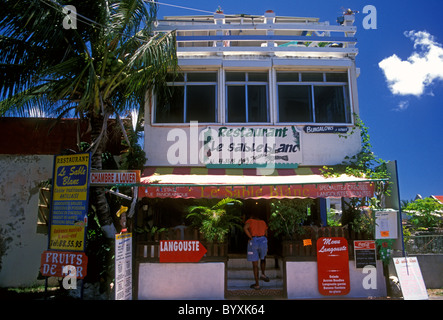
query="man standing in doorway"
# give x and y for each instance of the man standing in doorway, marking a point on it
(257, 231)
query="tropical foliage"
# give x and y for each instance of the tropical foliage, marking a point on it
(425, 213)
(287, 217)
(363, 164)
(215, 221)
(103, 68)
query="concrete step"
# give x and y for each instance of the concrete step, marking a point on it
(241, 262)
(262, 294)
(244, 284)
(247, 273)
(240, 274)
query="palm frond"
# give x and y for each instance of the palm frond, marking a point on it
(222, 203)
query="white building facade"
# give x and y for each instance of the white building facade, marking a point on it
(259, 72)
(259, 104)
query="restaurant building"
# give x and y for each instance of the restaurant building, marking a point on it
(260, 104)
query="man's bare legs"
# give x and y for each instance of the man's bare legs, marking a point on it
(255, 270)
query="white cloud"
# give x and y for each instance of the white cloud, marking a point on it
(423, 67)
(402, 105)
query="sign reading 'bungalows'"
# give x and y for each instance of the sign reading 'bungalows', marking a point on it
(325, 129)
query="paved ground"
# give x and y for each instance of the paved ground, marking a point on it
(54, 294)
(435, 294)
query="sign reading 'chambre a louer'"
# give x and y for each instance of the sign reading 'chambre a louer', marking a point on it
(113, 177)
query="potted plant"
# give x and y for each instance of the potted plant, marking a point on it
(286, 221)
(214, 222)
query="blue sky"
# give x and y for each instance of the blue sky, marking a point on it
(405, 116)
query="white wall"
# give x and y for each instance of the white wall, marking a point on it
(20, 246)
(181, 281)
(302, 281)
(316, 148)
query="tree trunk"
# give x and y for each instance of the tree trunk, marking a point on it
(98, 197)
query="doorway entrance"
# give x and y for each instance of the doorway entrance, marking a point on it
(238, 240)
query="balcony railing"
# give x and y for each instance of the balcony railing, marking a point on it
(266, 34)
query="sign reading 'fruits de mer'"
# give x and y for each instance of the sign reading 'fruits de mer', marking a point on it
(333, 266)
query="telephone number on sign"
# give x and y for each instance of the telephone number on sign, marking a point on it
(66, 243)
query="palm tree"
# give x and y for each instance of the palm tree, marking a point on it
(104, 67)
(215, 222)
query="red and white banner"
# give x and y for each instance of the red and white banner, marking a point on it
(364, 245)
(334, 190)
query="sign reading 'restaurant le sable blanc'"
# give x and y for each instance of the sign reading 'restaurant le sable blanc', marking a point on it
(251, 145)
(68, 218)
(70, 195)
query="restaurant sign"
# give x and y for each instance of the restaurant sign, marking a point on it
(333, 266)
(251, 145)
(69, 209)
(70, 192)
(338, 190)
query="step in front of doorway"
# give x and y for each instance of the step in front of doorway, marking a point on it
(263, 293)
(240, 276)
(240, 261)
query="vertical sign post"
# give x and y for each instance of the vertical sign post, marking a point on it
(68, 219)
(123, 266)
(333, 266)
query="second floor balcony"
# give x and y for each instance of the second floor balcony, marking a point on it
(267, 35)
